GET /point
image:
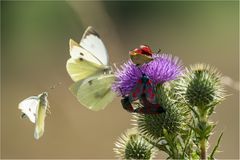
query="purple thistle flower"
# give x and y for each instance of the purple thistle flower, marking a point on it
(163, 68)
(126, 78)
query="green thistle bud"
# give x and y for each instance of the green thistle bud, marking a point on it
(173, 120)
(201, 86)
(132, 146)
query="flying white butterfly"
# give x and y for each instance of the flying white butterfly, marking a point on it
(35, 108)
(88, 67)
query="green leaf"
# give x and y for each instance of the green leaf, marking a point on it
(186, 145)
(216, 147)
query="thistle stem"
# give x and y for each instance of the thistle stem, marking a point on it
(203, 141)
(203, 150)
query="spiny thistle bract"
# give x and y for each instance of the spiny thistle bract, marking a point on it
(173, 120)
(132, 146)
(201, 86)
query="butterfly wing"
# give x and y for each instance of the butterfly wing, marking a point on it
(126, 104)
(80, 69)
(78, 52)
(94, 92)
(82, 63)
(150, 93)
(29, 107)
(150, 108)
(41, 114)
(140, 59)
(137, 91)
(87, 67)
(92, 42)
(75, 87)
(143, 86)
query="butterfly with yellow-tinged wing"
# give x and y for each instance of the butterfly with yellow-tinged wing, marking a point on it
(89, 69)
(35, 108)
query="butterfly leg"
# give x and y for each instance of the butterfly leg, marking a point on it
(48, 109)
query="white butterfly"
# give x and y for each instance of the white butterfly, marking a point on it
(88, 67)
(35, 108)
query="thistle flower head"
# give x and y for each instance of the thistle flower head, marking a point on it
(132, 146)
(126, 78)
(173, 120)
(161, 69)
(153, 125)
(201, 86)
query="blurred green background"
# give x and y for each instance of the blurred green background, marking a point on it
(34, 51)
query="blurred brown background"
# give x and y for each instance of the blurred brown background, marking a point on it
(34, 51)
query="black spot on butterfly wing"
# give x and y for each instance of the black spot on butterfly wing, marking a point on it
(81, 59)
(90, 82)
(99, 94)
(81, 54)
(23, 116)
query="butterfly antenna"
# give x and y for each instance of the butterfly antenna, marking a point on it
(48, 109)
(54, 86)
